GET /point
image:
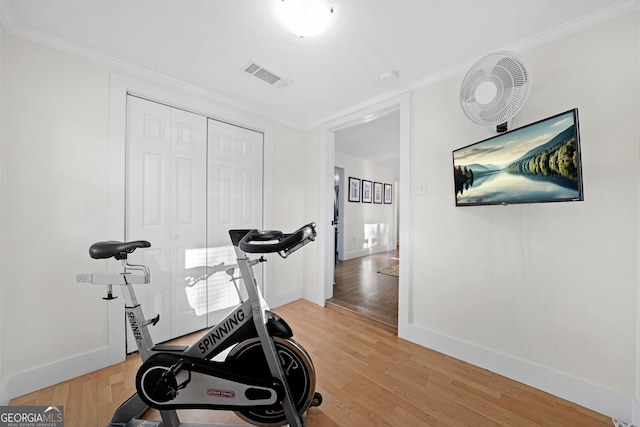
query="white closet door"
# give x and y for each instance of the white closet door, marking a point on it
(189, 222)
(186, 186)
(234, 201)
(166, 205)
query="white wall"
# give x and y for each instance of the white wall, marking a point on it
(546, 288)
(56, 203)
(357, 216)
(635, 409)
(3, 144)
(311, 204)
(289, 171)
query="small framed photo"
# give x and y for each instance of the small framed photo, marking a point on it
(366, 191)
(354, 189)
(387, 193)
(377, 192)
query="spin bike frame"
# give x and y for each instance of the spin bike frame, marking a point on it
(230, 330)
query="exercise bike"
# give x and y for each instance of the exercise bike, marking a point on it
(266, 377)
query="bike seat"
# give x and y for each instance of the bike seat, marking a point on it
(118, 250)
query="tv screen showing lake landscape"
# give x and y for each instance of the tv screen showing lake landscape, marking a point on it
(536, 163)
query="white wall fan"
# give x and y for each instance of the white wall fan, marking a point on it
(495, 89)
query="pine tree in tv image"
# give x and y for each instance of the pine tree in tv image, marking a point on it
(539, 162)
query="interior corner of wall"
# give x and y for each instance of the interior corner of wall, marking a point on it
(283, 298)
(314, 296)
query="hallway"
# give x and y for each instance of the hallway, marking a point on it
(360, 288)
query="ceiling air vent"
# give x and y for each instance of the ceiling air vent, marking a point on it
(265, 75)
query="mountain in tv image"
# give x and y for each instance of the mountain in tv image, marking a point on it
(547, 172)
(557, 157)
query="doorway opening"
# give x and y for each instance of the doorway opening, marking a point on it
(365, 206)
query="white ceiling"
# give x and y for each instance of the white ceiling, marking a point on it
(377, 141)
(206, 43)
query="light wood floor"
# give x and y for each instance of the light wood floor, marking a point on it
(361, 289)
(368, 377)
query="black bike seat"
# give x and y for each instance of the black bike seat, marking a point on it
(118, 250)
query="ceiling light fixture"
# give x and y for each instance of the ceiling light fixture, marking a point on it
(306, 18)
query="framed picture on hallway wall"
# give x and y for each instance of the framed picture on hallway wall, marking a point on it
(366, 191)
(377, 192)
(387, 193)
(354, 189)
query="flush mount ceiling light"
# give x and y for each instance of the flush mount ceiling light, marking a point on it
(305, 18)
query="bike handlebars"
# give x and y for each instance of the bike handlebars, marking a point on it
(269, 241)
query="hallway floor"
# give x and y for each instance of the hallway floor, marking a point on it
(361, 289)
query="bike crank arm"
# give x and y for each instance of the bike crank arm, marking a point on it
(166, 383)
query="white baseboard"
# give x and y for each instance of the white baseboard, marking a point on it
(597, 398)
(314, 296)
(25, 382)
(21, 383)
(277, 300)
(365, 252)
(608, 402)
(4, 393)
(635, 412)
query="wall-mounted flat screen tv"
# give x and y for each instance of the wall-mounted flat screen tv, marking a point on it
(539, 162)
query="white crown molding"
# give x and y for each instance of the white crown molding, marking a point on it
(553, 34)
(7, 17)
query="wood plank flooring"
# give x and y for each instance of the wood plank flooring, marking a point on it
(361, 289)
(368, 377)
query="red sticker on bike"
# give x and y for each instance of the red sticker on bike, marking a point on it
(227, 394)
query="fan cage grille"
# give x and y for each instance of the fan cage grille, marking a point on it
(508, 73)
